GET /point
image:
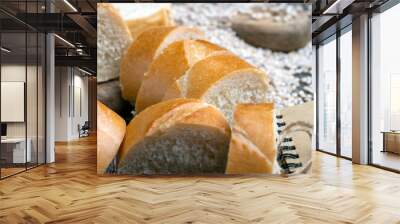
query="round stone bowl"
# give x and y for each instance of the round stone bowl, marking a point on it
(272, 34)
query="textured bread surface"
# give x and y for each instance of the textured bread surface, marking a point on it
(244, 157)
(242, 86)
(173, 91)
(157, 19)
(224, 80)
(178, 88)
(148, 45)
(110, 133)
(161, 124)
(169, 66)
(113, 38)
(142, 16)
(180, 149)
(207, 72)
(252, 147)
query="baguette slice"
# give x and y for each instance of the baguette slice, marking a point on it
(110, 133)
(175, 60)
(179, 136)
(178, 88)
(253, 146)
(143, 50)
(141, 16)
(113, 38)
(223, 80)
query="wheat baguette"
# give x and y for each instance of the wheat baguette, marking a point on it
(253, 144)
(176, 137)
(148, 45)
(223, 80)
(110, 133)
(169, 66)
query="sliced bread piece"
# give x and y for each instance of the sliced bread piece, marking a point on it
(175, 60)
(223, 80)
(179, 136)
(253, 145)
(113, 38)
(178, 88)
(141, 16)
(148, 45)
(110, 133)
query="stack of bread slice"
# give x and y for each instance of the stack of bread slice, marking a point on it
(199, 109)
(144, 50)
(181, 136)
(118, 25)
(173, 62)
(189, 136)
(253, 144)
(171, 65)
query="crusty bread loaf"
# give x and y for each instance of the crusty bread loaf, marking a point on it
(223, 80)
(113, 38)
(148, 45)
(110, 133)
(178, 88)
(179, 136)
(175, 60)
(141, 16)
(253, 145)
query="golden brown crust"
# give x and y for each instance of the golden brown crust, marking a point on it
(141, 53)
(141, 123)
(253, 137)
(209, 116)
(110, 133)
(168, 113)
(175, 60)
(197, 50)
(257, 120)
(157, 19)
(245, 158)
(173, 91)
(136, 60)
(161, 71)
(211, 69)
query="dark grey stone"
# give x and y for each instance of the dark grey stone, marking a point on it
(109, 93)
(272, 34)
